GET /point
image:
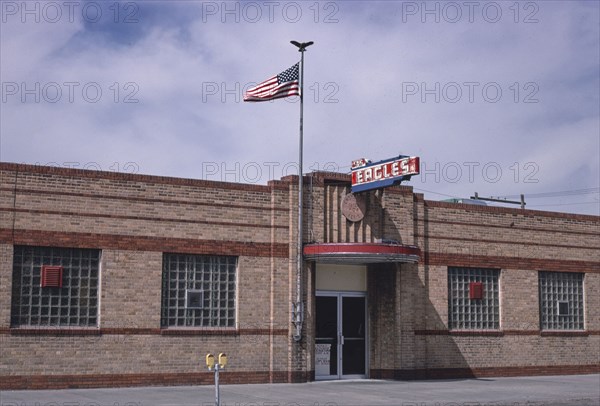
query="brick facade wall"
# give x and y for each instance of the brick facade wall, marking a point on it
(134, 219)
(408, 304)
(520, 244)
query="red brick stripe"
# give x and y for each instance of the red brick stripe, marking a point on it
(127, 380)
(508, 227)
(520, 243)
(477, 333)
(521, 332)
(243, 331)
(568, 333)
(510, 210)
(451, 373)
(143, 218)
(562, 265)
(46, 193)
(500, 333)
(139, 243)
(234, 377)
(67, 331)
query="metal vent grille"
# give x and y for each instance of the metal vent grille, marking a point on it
(476, 290)
(51, 276)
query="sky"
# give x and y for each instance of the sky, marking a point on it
(499, 98)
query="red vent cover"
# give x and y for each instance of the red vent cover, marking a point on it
(475, 290)
(51, 276)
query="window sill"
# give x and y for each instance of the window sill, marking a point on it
(199, 331)
(492, 333)
(54, 331)
(502, 333)
(478, 333)
(173, 331)
(221, 331)
(564, 333)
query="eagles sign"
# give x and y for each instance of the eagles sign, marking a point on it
(367, 175)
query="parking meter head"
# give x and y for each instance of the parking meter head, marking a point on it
(210, 361)
(222, 360)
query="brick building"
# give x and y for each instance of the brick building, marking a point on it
(110, 279)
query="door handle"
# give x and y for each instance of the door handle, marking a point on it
(341, 339)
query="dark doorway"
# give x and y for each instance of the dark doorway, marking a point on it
(341, 339)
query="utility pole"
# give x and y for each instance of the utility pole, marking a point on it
(490, 199)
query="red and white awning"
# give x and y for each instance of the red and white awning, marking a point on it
(361, 253)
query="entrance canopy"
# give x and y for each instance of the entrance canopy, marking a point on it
(361, 253)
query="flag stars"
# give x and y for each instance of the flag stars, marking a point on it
(289, 75)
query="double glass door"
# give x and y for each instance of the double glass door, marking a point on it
(341, 338)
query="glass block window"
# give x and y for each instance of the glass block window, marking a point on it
(198, 291)
(467, 313)
(561, 300)
(75, 303)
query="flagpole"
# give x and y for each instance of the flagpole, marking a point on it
(298, 312)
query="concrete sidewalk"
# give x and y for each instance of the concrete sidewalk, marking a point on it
(576, 390)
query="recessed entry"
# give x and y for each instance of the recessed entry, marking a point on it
(352, 278)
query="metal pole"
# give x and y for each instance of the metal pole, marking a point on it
(490, 199)
(217, 397)
(298, 313)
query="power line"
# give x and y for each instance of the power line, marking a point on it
(437, 193)
(576, 192)
(563, 204)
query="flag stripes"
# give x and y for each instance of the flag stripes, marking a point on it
(285, 84)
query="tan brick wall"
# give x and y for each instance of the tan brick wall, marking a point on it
(130, 289)
(6, 265)
(467, 236)
(129, 338)
(519, 300)
(110, 206)
(121, 354)
(511, 351)
(591, 285)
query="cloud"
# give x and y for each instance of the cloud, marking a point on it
(383, 78)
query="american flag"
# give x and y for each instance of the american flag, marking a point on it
(283, 85)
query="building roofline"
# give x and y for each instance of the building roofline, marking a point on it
(508, 210)
(135, 177)
(319, 178)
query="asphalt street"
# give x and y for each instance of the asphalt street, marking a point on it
(576, 390)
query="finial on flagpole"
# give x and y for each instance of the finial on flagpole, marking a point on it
(302, 45)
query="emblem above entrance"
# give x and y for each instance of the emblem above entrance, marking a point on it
(354, 207)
